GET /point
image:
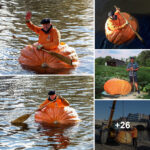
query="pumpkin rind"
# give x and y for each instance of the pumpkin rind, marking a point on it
(124, 137)
(123, 35)
(32, 57)
(57, 115)
(117, 87)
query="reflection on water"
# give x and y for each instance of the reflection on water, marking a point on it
(139, 9)
(20, 95)
(73, 18)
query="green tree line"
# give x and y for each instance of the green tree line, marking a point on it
(143, 59)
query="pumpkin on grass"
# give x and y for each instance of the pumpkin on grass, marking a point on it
(117, 87)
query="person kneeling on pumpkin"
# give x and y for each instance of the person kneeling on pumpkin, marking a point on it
(49, 37)
(114, 20)
(56, 101)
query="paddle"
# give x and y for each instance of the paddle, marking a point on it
(136, 33)
(24, 117)
(133, 80)
(133, 83)
(57, 55)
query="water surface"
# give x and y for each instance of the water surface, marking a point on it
(20, 95)
(74, 20)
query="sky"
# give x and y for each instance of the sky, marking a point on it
(118, 54)
(103, 108)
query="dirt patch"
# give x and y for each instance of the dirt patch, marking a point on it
(132, 95)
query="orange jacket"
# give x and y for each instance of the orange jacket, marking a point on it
(115, 24)
(134, 133)
(59, 102)
(50, 40)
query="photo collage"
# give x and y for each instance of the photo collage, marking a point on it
(75, 75)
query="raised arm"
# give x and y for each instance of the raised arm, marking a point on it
(64, 101)
(33, 27)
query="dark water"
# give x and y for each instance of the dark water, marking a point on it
(19, 95)
(73, 18)
(137, 8)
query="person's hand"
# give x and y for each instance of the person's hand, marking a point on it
(127, 22)
(39, 46)
(131, 68)
(64, 101)
(38, 109)
(28, 16)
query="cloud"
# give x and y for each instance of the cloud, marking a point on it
(118, 54)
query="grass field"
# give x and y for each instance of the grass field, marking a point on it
(104, 73)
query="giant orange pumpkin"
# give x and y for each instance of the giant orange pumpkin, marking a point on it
(57, 115)
(31, 57)
(123, 35)
(117, 87)
(124, 137)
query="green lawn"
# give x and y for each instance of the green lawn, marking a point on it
(104, 73)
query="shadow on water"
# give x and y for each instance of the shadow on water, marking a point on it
(56, 135)
(23, 126)
(138, 9)
(47, 70)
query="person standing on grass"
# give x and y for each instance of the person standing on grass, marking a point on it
(132, 68)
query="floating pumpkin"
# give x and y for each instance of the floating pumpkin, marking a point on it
(117, 87)
(57, 115)
(32, 58)
(125, 34)
(124, 137)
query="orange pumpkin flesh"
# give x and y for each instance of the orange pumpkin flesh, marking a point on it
(57, 115)
(117, 87)
(123, 35)
(31, 57)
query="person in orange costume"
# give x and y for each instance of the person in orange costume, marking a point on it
(114, 20)
(134, 134)
(56, 101)
(49, 37)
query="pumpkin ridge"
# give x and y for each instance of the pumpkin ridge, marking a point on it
(117, 86)
(126, 33)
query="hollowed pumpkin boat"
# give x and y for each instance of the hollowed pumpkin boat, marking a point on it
(43, 62)
(56, 116)
(125, 34)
